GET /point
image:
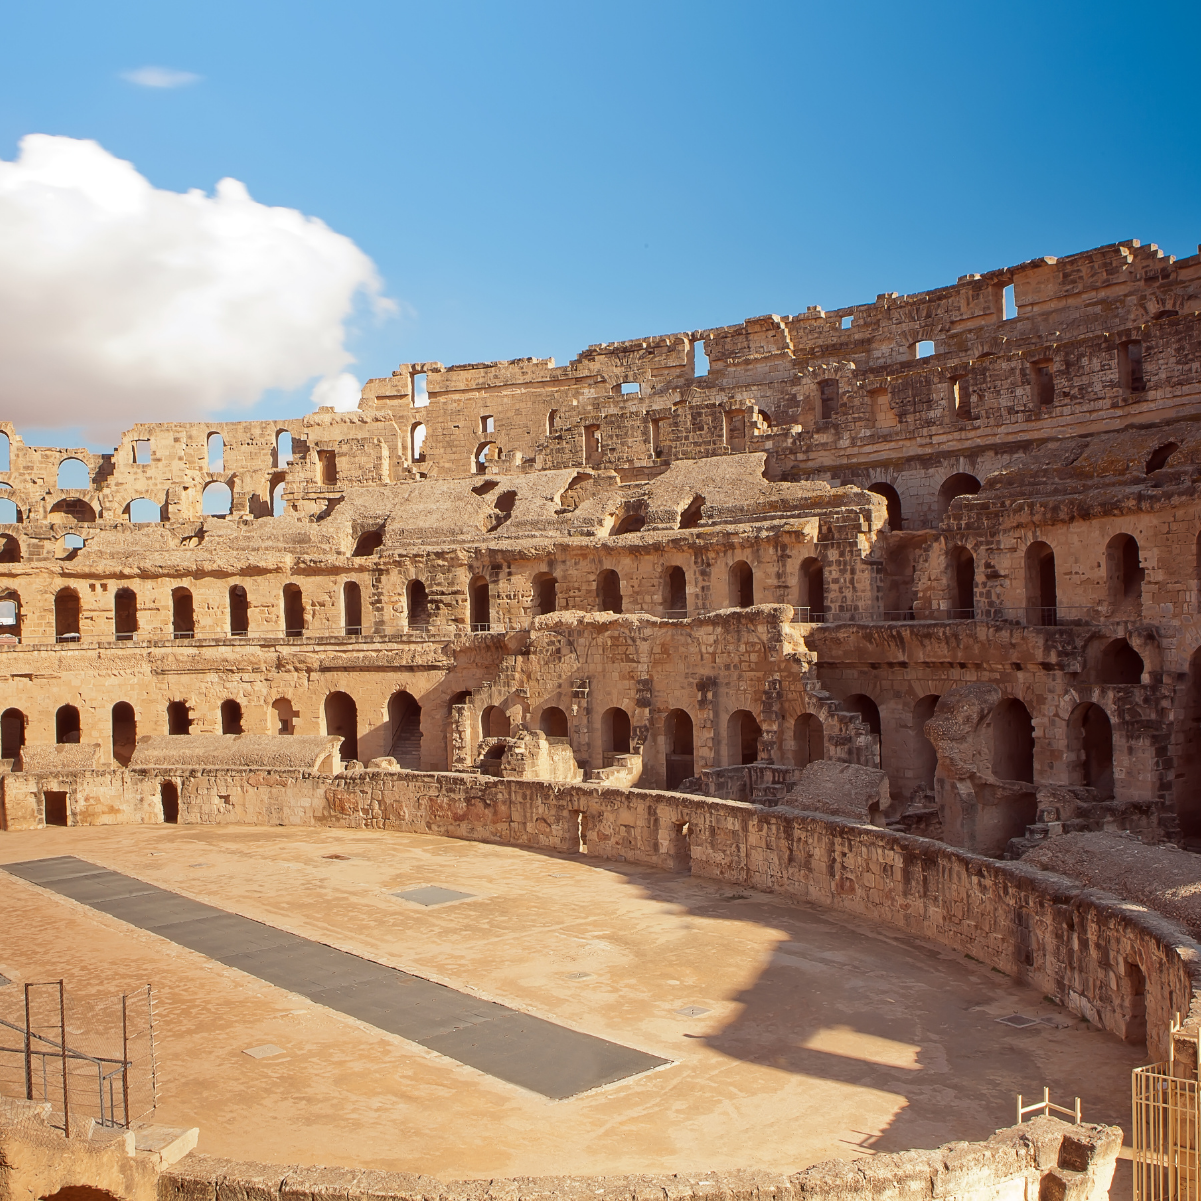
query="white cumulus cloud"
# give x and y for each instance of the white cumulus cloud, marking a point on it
(122, 302)
(160, 77)
(341, 390)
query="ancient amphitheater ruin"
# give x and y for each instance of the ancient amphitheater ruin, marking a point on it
(838, 614)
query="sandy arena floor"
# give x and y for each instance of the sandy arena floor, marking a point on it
(821, 1039)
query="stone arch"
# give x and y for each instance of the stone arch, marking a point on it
(892, 497)
(231, 717)
(494, 723)
(72, 508)
(352, 608)
(608, 592)
(168, 797)
(183, 613)
(125, 614)
(479, 604)
(12, 733)
(10, 615)
(1117, 663)
(285, 716)
(73, 475)
(742, 585)
(10, 549)
(679, 756)
(124, 732)
(808, 740)
(675, 593)
(342, 720)
(552, 721)
(1012, 741)
(1041, 599)
(615, 731)
(869, 712)
(742, 737)
(959, 484)
(546, 594)
(417, 604)
(66, 615)
(1090, 749)
(961, 583)
(404, 729)
(1124, 573)
(66, 724)
(293, 611)
(239, 611)
(217, 499)
(179, 718)
(812, 590)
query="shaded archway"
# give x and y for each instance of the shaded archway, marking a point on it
(285, 716)
(742, 738)
(553, 722)
(1090, 748)
(168, 799)
(66, 724)
(342, 720)
(961, 583)
(404, 728)
(216, 500)
(679, 757)
(1040, 585)
(293, 611)
(183, 616)
(608, 592)
(179, 718)
(73, 474)
(893, 500)
(1124, 574)
(812, 591)
(808, 740)
(479, 604)
(1119, 663)
(869, 711)
(125, 615)
(417, 602)
(546, 593)
(615, 732)
(675, 593)
(925, 757)
(231, 717)
(10, 615)
(742, 585)
(959, 484)
(12, 733)
(494, 723)
(631, 523)
(352, 608)
(239, 611)
(125, 732)
(1012, 741)
(10, 549)
(66, 615)
(72, 509)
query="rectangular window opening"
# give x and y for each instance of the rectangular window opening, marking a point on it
(656, 449)
(700, 360)
(487, 424)
(631, 389)
(421, 396)
(1043, 381)
(328, 461)
(828, 391)
(963, 398)
(846, 322)
(1130, 366)
(592, 444)
(141, 450)
(923, 349)
(1009, 308)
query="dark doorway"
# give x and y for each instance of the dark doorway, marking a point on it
(404, 721)
(553, 722)
(1040, 585)
(480, 605)
(1013, 741)
(179, 720)
(808, 740)
(239, 610)
(742, 586)
(293, 611)
(342, 719)
(546, 594)
(66, 724)
(12, 733)
(676, 589)
(231, 717)
(168, 795)
(608, 592)
(55, 808)
(679, 760)
(183, 618)
(352, 608)
(125, 732)
(419, 606)
(742, 738)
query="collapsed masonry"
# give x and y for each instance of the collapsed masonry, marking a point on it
(923, 537)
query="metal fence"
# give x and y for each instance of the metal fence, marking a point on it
(88, 1058)
(1166, 1125)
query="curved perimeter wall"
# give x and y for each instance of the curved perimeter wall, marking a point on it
(1111, 961)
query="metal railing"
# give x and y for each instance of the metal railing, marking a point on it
(1166, 1126)
(1045, 1107)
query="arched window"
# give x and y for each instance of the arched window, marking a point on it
(893, 499)
(168, 795)
(74, 474)
(869, 712)
(293, 611)
(179, 718)
(283, 449)
(675, 593)
(615, 732)
(608, 591)
(125, 732)
(9, 513)
(417, 442)
(368, 543)
(960, 484)
(404, 725)
(143, 511)
(1012, 741)
(216, 452)
(808, 740)
(125, 615)
(1160, 455)
(12, 733)
(1090, 749)
(484, 454)
(478, 604)
(742, 738)
(66, 724)
(494, 723)
(961, 583)
(546, 593)
(631, 523)
(1040, 585)
(418, 605)
(66, 615)
(551, 417)
(231, 717)
(4, 452)
(690, 515)
(813, 591)
(678, 761)
(1119, 664)
(183, 618)
(742, 585)
(72, 509)
(10, 616)
(925, 759)
(352, 608)
(239, 611)
(285, 716)
(342, 720)
(1124, 573)
(10, 549)
(279, 501)
(217, 500)
(553, 722)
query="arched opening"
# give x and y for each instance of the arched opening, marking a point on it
(961, 583)
(551, 417)
(283, 449)
(144, 511)
(216, 452)
(546, 593)
(368, 543)
(285, 716)
(4, 452)
(66, 724)
(1135, 1032)
(813, 591)
(352, 608)
(183, 616)
(293, 611)
(279, 502)
(742, 738)
(66, 615)
(1090, 748)
(479, 604)
(10, 549)
(1123, 573)
(608, 591)
(12, 733)
(417, 442)
(484, 454)
(553, 722)
(9, 513)
(869, 712)
(1119, 663)
(72, 509)
(631, 523)
(179, 718)
(73, 474)
(679, 760)
(418, 604)
(239, 611)
(494, 723)
(742, 585)
(808, 740)
(1188, 798)
(404, 728)
(675, 593)
(10, 616)
(925, 757)
(168, 798)
(1012, 741)
(960, 484)
(1160, 456)
(615, 732)
(893, 500)
(1040, 585)
(125, 614)
(342, 721)
(125, 732)
(690, 518)
(231, 717)
(217, 500)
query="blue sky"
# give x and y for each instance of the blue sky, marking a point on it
(530, 178)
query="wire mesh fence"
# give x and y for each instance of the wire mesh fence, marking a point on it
(90, 1058)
